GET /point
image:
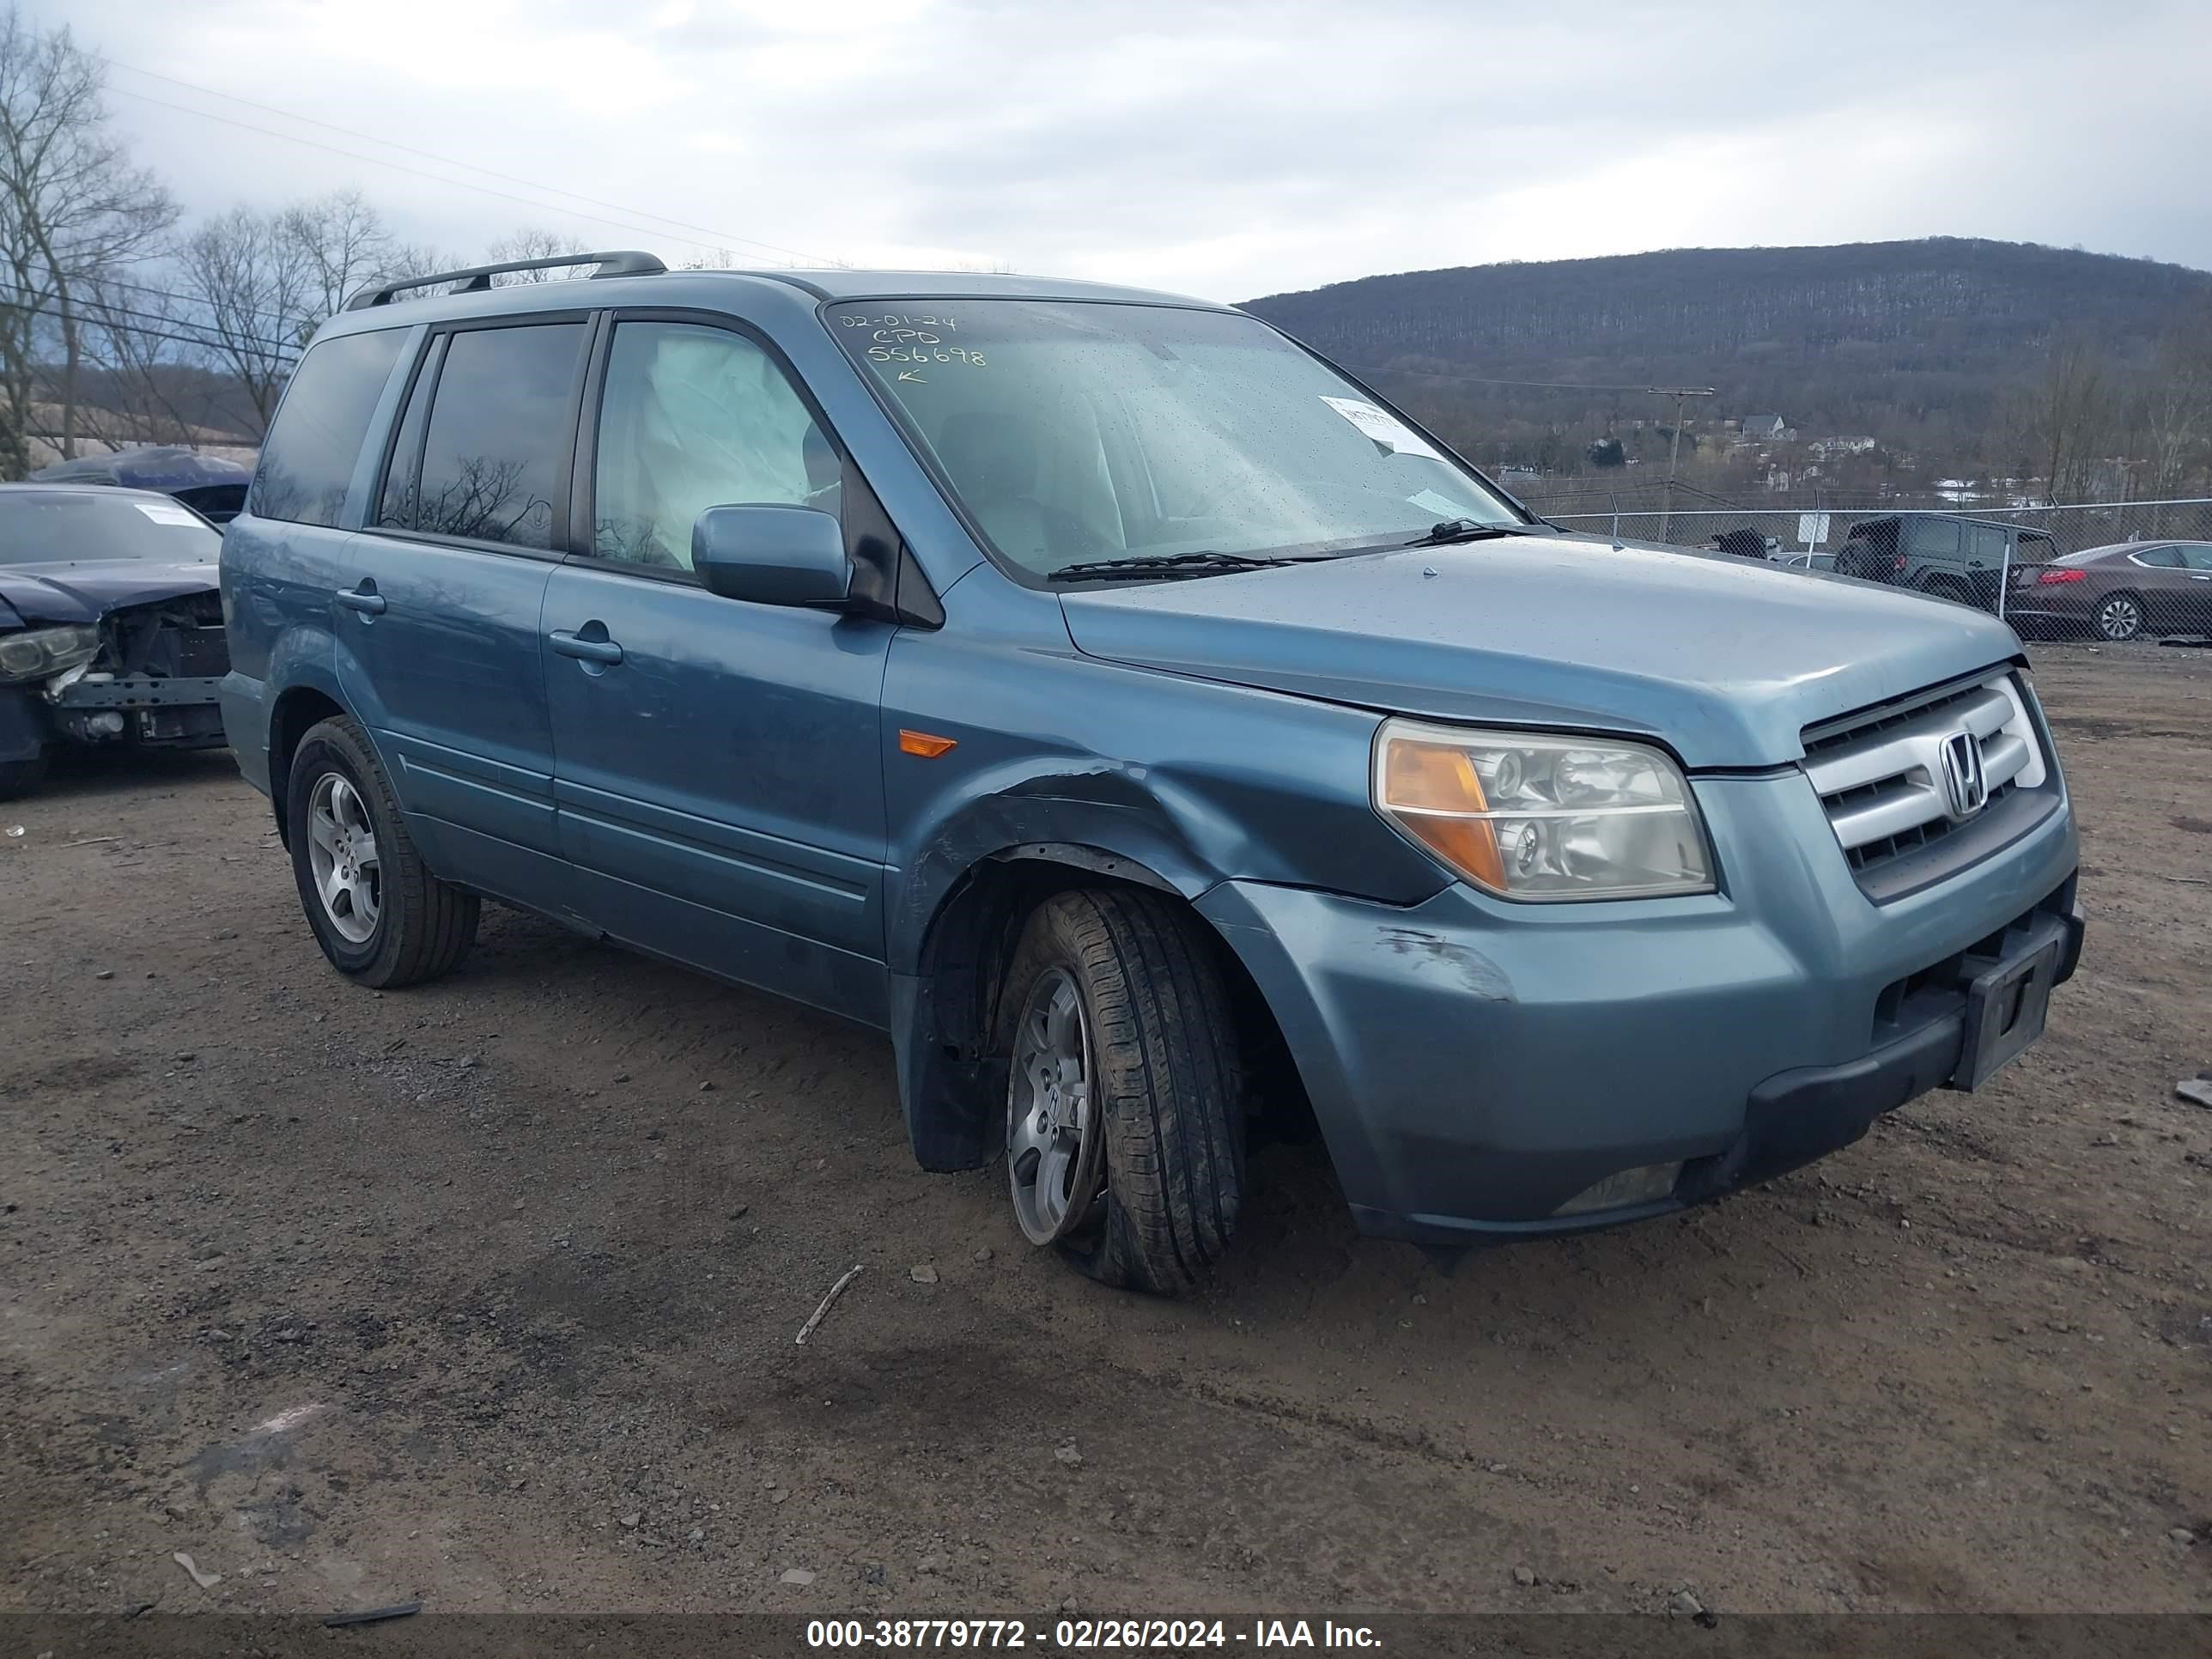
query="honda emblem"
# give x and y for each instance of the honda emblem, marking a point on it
(1965, 789)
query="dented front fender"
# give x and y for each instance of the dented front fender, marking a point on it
(1186, 782)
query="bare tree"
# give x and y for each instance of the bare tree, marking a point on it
(262, 282)
(74, 211)
(2178, 403)
(343, 244)
(532, 242)
(250, 284)
(2066, 415)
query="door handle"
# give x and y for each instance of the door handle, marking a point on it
(364, 599)
(599, 651)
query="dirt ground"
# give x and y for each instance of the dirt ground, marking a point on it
(485, 1294)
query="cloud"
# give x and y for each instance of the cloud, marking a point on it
(1226, 148)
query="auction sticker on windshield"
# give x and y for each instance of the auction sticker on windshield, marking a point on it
(1384, 428)
(1429, 502)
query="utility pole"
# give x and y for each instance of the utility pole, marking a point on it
(1679, 394)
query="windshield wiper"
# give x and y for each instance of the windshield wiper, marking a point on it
(1464, 530)
(1167, 564)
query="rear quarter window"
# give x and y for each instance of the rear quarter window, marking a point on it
(308, 459)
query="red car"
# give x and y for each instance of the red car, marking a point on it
(2124, 591)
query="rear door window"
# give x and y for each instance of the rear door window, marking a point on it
(1986, 542)
(308, 459)
(1934, 539)
(495, 451)
(2160, 558)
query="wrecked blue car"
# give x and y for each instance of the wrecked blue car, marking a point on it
(1164, 740)
(111, 625)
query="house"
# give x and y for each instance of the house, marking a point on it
(1769, 428)
(1828, 448)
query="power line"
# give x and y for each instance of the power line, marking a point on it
(724, 237)
(720, 241)
(277, 316)
(397, 167)
(93, 312)
(158, 334)
(151, 326)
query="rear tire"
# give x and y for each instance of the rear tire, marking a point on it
(1146, 1197)
(379, 913)
(21, 777)
(2120, 617)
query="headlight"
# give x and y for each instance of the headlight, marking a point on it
(1529, 817)
(44, 651)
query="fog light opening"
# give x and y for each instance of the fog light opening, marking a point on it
(1647, 1185)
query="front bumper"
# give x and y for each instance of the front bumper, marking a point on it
(178, 710)
(1475, 1065)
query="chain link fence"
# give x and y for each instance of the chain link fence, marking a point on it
(2110, 571)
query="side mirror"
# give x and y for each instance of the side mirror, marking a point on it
(770, 555)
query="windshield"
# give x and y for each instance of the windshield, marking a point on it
(1078, 431)
(58, 526)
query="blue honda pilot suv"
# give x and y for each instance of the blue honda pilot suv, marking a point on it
(1152, 730)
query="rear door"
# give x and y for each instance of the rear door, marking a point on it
(719, 764)
(2160, 575)
(441, 622)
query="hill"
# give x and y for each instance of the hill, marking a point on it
(1924, 345)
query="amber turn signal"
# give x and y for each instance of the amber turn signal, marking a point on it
(1431, 789)
(927, 744)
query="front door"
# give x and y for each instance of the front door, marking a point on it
(718, 765)
(2192, 609)
(442, 611)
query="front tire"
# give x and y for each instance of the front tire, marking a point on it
(1124, 1102)
(379, 913)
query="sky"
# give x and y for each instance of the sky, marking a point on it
(1228, 150)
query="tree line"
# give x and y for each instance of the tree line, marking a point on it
(2071, 374)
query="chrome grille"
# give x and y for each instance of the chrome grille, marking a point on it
(1879, 773)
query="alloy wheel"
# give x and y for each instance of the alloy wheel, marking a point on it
(1054, 1137)
(342, 854)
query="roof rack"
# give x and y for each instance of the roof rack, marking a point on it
(474, 279)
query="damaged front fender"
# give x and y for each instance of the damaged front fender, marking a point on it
(1065, 770)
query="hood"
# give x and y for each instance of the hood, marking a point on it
(1724, 660)
(87, 590)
